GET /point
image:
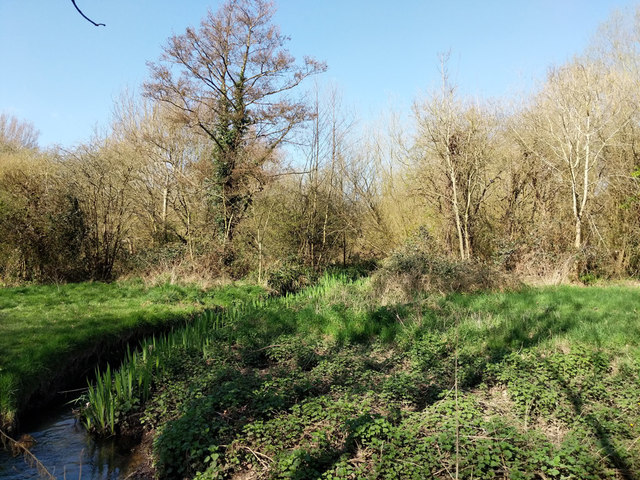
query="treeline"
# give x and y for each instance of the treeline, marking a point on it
(224, 167)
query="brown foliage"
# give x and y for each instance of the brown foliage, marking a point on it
(232, 79)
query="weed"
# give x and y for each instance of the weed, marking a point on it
(329, 383)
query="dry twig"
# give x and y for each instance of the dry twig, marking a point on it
(18, 448)
(85, 17)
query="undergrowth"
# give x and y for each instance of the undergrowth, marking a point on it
(329, 383)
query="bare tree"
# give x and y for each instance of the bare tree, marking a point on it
(576, 117)
(455, 147)
(171, 189)
(103, 175)
(381, 181)
(16, 134)
(232, 78)
(327, 217)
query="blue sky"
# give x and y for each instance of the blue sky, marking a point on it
(63, 74)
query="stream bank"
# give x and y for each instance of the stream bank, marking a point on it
(61, 443)
(68, 379)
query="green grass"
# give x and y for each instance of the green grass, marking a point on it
(602, 317)
(331, 383)
(44, 329)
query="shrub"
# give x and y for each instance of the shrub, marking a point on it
(416, 267)
(290, 277)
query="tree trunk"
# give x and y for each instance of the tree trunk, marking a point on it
(165, 201)
(577, 244)
(344, 249)
(456, 209)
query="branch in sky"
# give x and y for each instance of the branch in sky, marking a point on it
(87, 18)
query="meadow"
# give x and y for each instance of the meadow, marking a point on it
(334, 383)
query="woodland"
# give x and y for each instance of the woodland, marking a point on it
(257, 284)
(232, 165)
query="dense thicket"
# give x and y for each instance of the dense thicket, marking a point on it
(199, 178)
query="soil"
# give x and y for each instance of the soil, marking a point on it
(142, 460)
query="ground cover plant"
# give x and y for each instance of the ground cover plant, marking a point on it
(332, 383)
(48, 331)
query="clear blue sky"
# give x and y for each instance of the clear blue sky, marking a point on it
(61, 73)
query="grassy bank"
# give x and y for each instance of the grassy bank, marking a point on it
(330, 383)
(45, 331)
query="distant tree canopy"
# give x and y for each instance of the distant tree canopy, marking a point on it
(16, 134)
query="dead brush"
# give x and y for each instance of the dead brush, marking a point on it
(23, 446)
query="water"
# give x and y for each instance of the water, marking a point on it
(69, 453)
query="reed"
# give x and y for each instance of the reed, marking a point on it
(114, 394)
(48, 330)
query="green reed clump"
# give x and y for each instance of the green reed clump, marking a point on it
(117, 393)
(99, 412)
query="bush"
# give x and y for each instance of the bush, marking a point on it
(416, 267)
(291, 277)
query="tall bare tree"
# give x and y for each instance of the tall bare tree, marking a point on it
(455, 147)
(576, 117)
(16, 134)
(232, 78)
(171, 203)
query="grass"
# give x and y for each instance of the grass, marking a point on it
(330, 383)
(45, 329)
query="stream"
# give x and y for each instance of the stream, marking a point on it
(68, 452)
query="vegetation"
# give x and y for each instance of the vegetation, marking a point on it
(47, 332)
(211, 174)
(440, 364)
(234, 77)
(330, 383)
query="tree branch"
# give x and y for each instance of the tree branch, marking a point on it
(85, 17)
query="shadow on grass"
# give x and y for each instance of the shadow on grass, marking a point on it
(276, 368)
(600, 432)
(507, 323)
(230, 400)
(253, 391)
